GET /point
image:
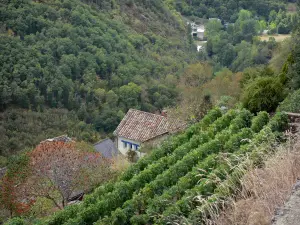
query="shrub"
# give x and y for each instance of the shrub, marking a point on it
(260, 121)
(139, 219)
(291, 103)
(16, 221)
(263, 94)
(3, 161)
(279, 122)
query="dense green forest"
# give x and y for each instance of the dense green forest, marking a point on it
(236, 46)
(227, 10)
(97, 59)
(66, 54)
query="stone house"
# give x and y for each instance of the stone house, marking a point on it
(139, 128)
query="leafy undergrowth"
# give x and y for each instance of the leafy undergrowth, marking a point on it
(162, 188)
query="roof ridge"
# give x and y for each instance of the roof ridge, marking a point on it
(146, 112)
(102, 140)
(142, 126)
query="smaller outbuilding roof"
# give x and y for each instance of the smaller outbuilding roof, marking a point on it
(107, 148)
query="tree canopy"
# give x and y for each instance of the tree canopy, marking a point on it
(226, 10)
(95, 58)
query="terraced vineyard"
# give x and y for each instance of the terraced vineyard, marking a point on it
(160, 188)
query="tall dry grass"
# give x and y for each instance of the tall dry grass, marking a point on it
(120, 163)
(265, 189)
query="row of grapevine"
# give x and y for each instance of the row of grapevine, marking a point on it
(184, 188)
(123, 190)
(170, 176)
(166, 148)
(159, 203)
(184, 205)
(190, 211)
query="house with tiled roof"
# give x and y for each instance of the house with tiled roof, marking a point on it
(138, 128)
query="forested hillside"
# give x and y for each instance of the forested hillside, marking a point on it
(227, 10)
(75, 67)
(97, 59)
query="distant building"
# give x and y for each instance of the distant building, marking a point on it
(201, 47)
(138, 128)
(76, 197)
(197, 30)
(200, 32)
(107, 148)
(265, 32)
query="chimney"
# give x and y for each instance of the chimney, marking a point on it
(164, 113)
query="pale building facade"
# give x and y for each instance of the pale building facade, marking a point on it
(197, 30)
(125, 144)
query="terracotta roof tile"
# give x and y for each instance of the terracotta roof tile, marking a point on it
(142, 126)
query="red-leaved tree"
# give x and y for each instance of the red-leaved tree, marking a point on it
(58, 169)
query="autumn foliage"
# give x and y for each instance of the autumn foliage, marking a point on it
(10, 200)
(55, 170)
(201, 88)
(9, 188)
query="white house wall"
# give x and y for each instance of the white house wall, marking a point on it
(124, 149)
